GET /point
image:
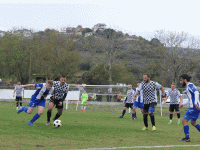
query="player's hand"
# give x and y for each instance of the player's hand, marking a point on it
(134, 97)
(60, 103)
(197, 107)
(164, 103)
(13, 95)
(86, 101)
(180, 105)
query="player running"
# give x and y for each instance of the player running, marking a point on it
(194, 109)
(62, 89)
(38, 99)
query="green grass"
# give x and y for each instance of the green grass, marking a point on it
(90, 129)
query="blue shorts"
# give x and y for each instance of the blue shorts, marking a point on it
(138, 104)
(34, 103)
(192, 114)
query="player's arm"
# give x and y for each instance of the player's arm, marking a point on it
(135, 95)
(14, 94)
(27, 85)
(196, 93)
(181, 102)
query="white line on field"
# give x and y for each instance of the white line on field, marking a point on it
(161, 146)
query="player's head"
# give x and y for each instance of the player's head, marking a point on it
(84, 91)
(49, 84)
(63, 79)
(129, 86)
(138, 83)
(184, 79)
(19, 82)
(173, 86)
(146, 78)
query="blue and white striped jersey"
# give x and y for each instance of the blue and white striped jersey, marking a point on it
(139, 97)
(42, 92)
(129, 96)
(193, 95)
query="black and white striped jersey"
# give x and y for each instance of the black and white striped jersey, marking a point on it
(149, 91)
(129, 96)
(60, 90)
(174, 96)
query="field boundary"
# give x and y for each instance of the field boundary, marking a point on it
(161, 146)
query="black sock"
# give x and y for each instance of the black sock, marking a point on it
(20, 103)
(135, 115)
(48, 115)
(57, 116)
(17, 103)
(152, 120)
(124, 111)
(171, 116)
(145, 120)
(178, 115)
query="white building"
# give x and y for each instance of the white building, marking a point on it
(99, 26)
(2, 33)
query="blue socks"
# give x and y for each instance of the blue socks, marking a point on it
(198, 127)
(25, 110)
(35, 117)
(133, 115)
(186, 131)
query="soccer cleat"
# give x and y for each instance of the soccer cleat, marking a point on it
(178, 122)
(31, 124)
(132, 119)
(170, 123)
(144, 128)
(81, 109)
(48, 123)
(185, 140)
(135, 118)
(120, 116)
(20, 110)
(154, 128)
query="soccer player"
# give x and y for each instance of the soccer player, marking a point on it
(174, 102)
(38, 99)
(150, 99)
(61, 92)
(194, 109)
(139, 102)
(129, 100)
(84, 98)
(18, 91)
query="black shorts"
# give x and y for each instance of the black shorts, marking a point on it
(18, 98)
(129, 105)
(56, 102)
(147, 106)
(174, 107)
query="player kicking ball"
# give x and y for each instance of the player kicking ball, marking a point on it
(38, 99)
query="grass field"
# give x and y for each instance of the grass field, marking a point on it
(89, 129)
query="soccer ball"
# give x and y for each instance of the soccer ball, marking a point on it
(57, 123)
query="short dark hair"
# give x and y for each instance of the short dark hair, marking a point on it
(50, 82)
(63, 76)
(185, 76)
(147, 75)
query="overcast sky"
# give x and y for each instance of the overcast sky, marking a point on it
(139, 17)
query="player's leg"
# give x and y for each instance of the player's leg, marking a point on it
(20, 102)
(151, 114)
(49, 111)
(84, 107)
(59, 113)
(171, 110)
(178, 113)
(29, 110)
(37, 115)
(124, 111)
(17, 103)
(185, 120)
(133, 112)
(145, 116)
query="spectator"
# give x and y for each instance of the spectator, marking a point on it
(119, 96)
(99, 96)
(115, 97)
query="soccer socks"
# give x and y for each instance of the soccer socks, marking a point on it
(186, 131)
(124, 111)
(20, 103)
(81, 107)
(57, 116)
(17, 104)
(48, 115)
(35, 117)
(145, 120)
(25, 110)
(178, 116)
(84, 107)
(133, 115)
(152, 120)
(198, 127)
(170, 117)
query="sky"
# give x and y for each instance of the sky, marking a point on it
(135, 17)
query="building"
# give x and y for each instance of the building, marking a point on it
(2, 33)
(23, 32)
(99, 26)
